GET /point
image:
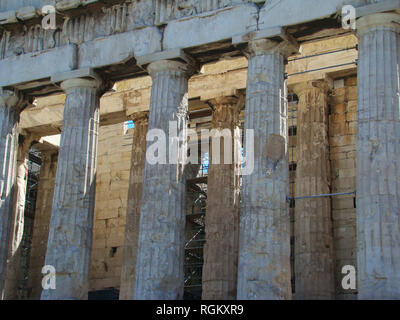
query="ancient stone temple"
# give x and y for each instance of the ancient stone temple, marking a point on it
(203, 149)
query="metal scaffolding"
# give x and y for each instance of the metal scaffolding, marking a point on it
(195, 234)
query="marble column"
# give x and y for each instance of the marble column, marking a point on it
(219, 278)
(378, 157)
(9, 117)
(138, 160)
(314, 254)
(160, 256)
(17, 223)
(264, 239)
(70, 236)
(40, 234)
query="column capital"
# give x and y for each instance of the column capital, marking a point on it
(169, 66)
(70, 84)
(229, 101)
(27, 141)
(82, 78)
(387, 20)
(266, 46)
(46, 155)
(305, 86)
(139, 117)
(10, 98)
(226, 111)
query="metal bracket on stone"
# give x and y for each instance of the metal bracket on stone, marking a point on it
(173, 54)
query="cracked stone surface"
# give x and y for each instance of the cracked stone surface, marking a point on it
(314, 264)
(133, 208)
(72, 213)
(264, 241)
(9, 116)
(223, 205)
(159, 266)
(17, 224)
(378, 157)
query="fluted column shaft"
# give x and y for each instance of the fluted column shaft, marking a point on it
(264, 241)
(17, 223)
(314, 261)
(160, 256)
(378, 157)
(222, 218)
(138, 160)
(40, 235)
(9, 116)
(70, 237)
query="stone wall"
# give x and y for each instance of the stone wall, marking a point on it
(113, 168)
(342, 138)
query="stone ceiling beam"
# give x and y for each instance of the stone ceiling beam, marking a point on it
(123, 45)
(222, 78)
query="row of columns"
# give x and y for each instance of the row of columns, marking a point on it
(156, 215)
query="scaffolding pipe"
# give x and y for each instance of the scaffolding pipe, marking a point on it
(319, 69)
(322, 195)
(323, 53)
